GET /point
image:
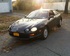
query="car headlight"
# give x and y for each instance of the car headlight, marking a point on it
(34, 29)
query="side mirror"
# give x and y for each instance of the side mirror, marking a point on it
(51, 16)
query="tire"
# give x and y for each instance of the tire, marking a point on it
(44, 34)
(59, 23)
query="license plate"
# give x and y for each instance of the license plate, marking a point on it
(16, 34)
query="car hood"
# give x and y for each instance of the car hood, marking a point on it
(27, 23)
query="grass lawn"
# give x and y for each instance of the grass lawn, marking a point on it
(5, 21)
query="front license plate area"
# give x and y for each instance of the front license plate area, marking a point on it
(16, 34)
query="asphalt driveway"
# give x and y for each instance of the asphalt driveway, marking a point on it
(57, 44)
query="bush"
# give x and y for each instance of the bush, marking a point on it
(23, 5)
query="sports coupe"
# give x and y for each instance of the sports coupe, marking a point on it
(37, 24)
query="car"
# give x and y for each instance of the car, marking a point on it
(37, 24)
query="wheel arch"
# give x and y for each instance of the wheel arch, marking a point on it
(47, 27)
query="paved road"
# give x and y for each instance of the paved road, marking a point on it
(57, 44)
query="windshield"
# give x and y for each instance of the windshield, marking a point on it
(38, 14)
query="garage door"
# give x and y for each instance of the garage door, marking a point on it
(4, 7)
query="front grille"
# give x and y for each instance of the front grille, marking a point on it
(22, 35)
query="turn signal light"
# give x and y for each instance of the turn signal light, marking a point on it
(32, 34)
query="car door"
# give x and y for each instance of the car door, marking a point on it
(51, 23)
(56, 19)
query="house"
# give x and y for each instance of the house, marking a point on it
(56, 4)
(5, 6)
(56, 0)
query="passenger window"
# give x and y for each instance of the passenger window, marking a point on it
(51, 14)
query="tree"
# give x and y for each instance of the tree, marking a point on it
(66, 6)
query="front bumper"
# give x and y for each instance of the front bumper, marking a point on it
(25, 35)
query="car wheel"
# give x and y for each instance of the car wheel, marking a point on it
(60, 23)
(44, 33)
